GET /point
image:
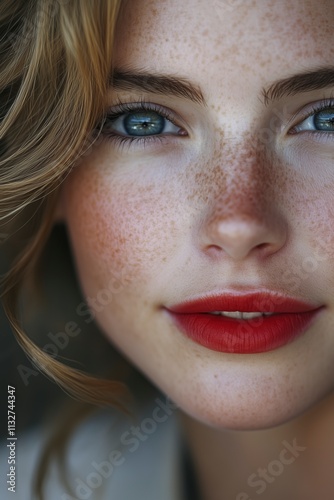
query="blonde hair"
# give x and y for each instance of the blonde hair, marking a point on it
(56, 61)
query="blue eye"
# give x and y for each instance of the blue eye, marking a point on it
(320, 120)
(136, 121)
(141, 123)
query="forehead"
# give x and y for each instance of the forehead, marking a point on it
(225, 36)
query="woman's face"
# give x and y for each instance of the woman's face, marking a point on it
(228, 188)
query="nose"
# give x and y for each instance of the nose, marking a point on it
(241, 236)
(244, 224)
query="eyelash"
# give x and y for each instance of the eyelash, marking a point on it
(122, 108)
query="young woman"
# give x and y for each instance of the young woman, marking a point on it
(200, 222)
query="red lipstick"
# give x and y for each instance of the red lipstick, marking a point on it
(200, 320)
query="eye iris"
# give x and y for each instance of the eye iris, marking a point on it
(324, 120)
(144, 123)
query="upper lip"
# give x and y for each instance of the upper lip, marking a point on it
(257, 301)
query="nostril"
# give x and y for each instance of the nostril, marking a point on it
(243, 234)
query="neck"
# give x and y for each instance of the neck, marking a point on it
(293, 460)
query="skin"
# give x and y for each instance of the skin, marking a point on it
(217, 209)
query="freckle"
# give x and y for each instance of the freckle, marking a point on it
(154, 12)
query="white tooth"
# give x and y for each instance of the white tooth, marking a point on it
(233, 314)
(241, 315)
(251, 315)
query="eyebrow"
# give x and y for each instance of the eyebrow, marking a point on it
(156, 83)
(315, 79)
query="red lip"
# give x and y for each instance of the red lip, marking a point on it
(291, 317)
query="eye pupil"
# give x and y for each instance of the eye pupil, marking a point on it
(144, 123)
(324, 120)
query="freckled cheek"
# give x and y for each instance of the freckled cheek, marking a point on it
(117, 228)
(310, 207)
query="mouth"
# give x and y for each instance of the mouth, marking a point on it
(244, 324)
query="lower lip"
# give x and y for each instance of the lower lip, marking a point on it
(261, 334)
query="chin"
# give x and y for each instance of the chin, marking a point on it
(242, 419)
(251, 408)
